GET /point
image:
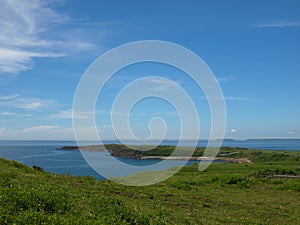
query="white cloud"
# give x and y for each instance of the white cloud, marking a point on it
(38, 128)
(44, 132)
(161, 84)
(13, 114)
(14, 61)
(170, 113)
(28, 103)
(7, 114)
(22, 27)
(34, 30)
(291, 132)
(231, 131)
(68, 114)
(8, 97)
(280, 24)
(225, 78)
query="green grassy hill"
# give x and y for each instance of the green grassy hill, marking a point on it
(226, 193)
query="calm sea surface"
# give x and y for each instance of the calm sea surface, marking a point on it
(46, 155)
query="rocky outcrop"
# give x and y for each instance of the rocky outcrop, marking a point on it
(69, 148)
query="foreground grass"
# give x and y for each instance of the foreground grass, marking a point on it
(226, 193)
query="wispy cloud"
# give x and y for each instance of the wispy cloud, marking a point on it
(39, 128)
(225, 78)
(231, 131)
(14, 61)
(69, 114)
(7, 97)
(279, 24)
(14, 114)
(7, 114)
(21, 102)
(291, 132)
(159, 84)
(30, 103)
(170, 113)
(21, 35)
(42, 132)
(34, 30)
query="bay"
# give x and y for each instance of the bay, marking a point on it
(46, 155)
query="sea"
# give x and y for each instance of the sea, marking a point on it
(45, 154)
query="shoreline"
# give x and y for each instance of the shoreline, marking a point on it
(200, 158)
(122, 152)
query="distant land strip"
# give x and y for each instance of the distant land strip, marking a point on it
(160, 152)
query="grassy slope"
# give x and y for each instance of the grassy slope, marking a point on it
(225, 193)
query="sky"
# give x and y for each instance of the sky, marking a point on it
(252, 47)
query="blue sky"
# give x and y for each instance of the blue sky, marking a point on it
(251, 46)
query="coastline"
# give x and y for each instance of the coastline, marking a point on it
(200, 158)
(123, 151)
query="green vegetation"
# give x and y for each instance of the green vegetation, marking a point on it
(225, 152)
(226, 193)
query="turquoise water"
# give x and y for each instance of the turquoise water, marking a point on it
(44, 154)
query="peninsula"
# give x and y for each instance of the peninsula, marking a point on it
(164, 152)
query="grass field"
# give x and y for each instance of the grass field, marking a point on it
(225, 193)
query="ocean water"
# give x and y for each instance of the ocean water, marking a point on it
(46, 155)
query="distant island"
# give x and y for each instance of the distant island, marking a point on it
(164, 152)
